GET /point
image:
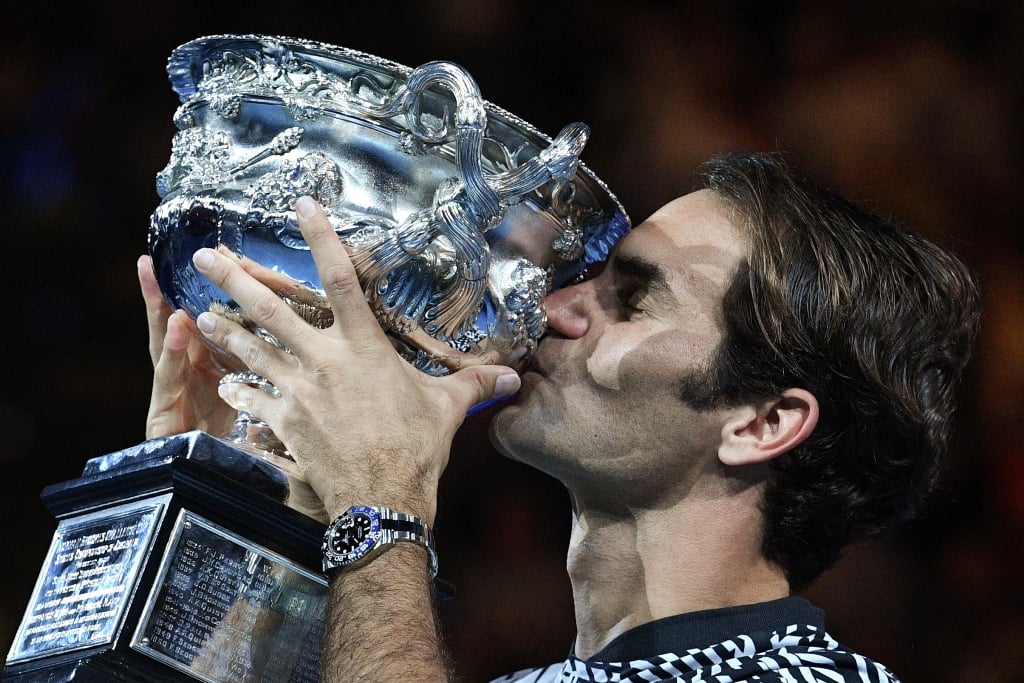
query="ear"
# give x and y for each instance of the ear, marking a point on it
(760, 432)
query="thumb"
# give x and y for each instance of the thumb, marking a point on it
(479, 386)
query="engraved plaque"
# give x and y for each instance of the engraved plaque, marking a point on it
(224, 610)
(87, 581)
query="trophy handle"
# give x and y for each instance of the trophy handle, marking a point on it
(451, 232)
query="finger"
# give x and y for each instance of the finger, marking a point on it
(200, 355)
(280, 283)
(261, 305)
(337, 274)
(169, 369)
(477, 386)
(311, 306)
(245, 398)
(258, 355)
(157, 308)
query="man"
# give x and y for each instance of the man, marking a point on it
(761, 374)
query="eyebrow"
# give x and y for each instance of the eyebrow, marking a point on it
(647, 274)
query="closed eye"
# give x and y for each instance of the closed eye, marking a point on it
(635, 278)
(630, 300)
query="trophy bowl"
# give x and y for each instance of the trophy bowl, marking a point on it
(459, 216)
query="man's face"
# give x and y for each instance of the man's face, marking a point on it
(600, 407)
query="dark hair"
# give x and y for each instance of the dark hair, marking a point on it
(873, 320)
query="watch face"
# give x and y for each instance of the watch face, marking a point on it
(353, 535)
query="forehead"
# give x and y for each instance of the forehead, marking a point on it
(697, 230)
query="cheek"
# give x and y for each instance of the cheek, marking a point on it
(605, 360)
(644, 363)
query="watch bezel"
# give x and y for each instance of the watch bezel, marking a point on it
(365, 547)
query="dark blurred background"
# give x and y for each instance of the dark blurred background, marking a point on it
(913, 108)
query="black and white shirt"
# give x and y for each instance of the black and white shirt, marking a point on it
(782, 641)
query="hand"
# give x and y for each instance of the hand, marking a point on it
(185, 372)
(363, 425)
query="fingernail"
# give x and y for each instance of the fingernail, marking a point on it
(234, 396)
(203, 258)
(507, 384)
(175, 340)
(206, 322)
(305, 206)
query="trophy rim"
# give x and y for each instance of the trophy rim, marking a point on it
(182, 63)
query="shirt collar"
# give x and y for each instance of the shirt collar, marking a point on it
(699, 630)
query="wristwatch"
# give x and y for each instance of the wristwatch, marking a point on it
(364, 531)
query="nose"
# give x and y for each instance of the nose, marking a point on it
(567, 310)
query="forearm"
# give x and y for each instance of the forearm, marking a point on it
(382, 623)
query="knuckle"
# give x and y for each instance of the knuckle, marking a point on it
(327, 373)
(253, 355)
(479, 380)
(339, 277)
(264, 308)
(320, 230)
(219, 273)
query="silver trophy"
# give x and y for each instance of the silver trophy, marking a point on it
(196, 556)
(459, 216)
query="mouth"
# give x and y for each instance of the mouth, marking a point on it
(536, 365)
(546, 356)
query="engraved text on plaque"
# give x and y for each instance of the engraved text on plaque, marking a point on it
(89, 575)
(226, 610)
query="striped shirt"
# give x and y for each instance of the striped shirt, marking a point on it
(782, 641)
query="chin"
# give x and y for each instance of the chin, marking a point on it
(506, 431)
(517, 429)
(496, 430)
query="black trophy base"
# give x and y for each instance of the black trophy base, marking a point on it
(175, 560)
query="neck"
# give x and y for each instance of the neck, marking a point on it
(634, 565)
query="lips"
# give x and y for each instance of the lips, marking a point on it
(541, 362)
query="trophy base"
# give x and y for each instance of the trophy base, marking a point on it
(175, 560)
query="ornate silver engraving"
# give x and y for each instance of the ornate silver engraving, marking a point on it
(313, 174)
